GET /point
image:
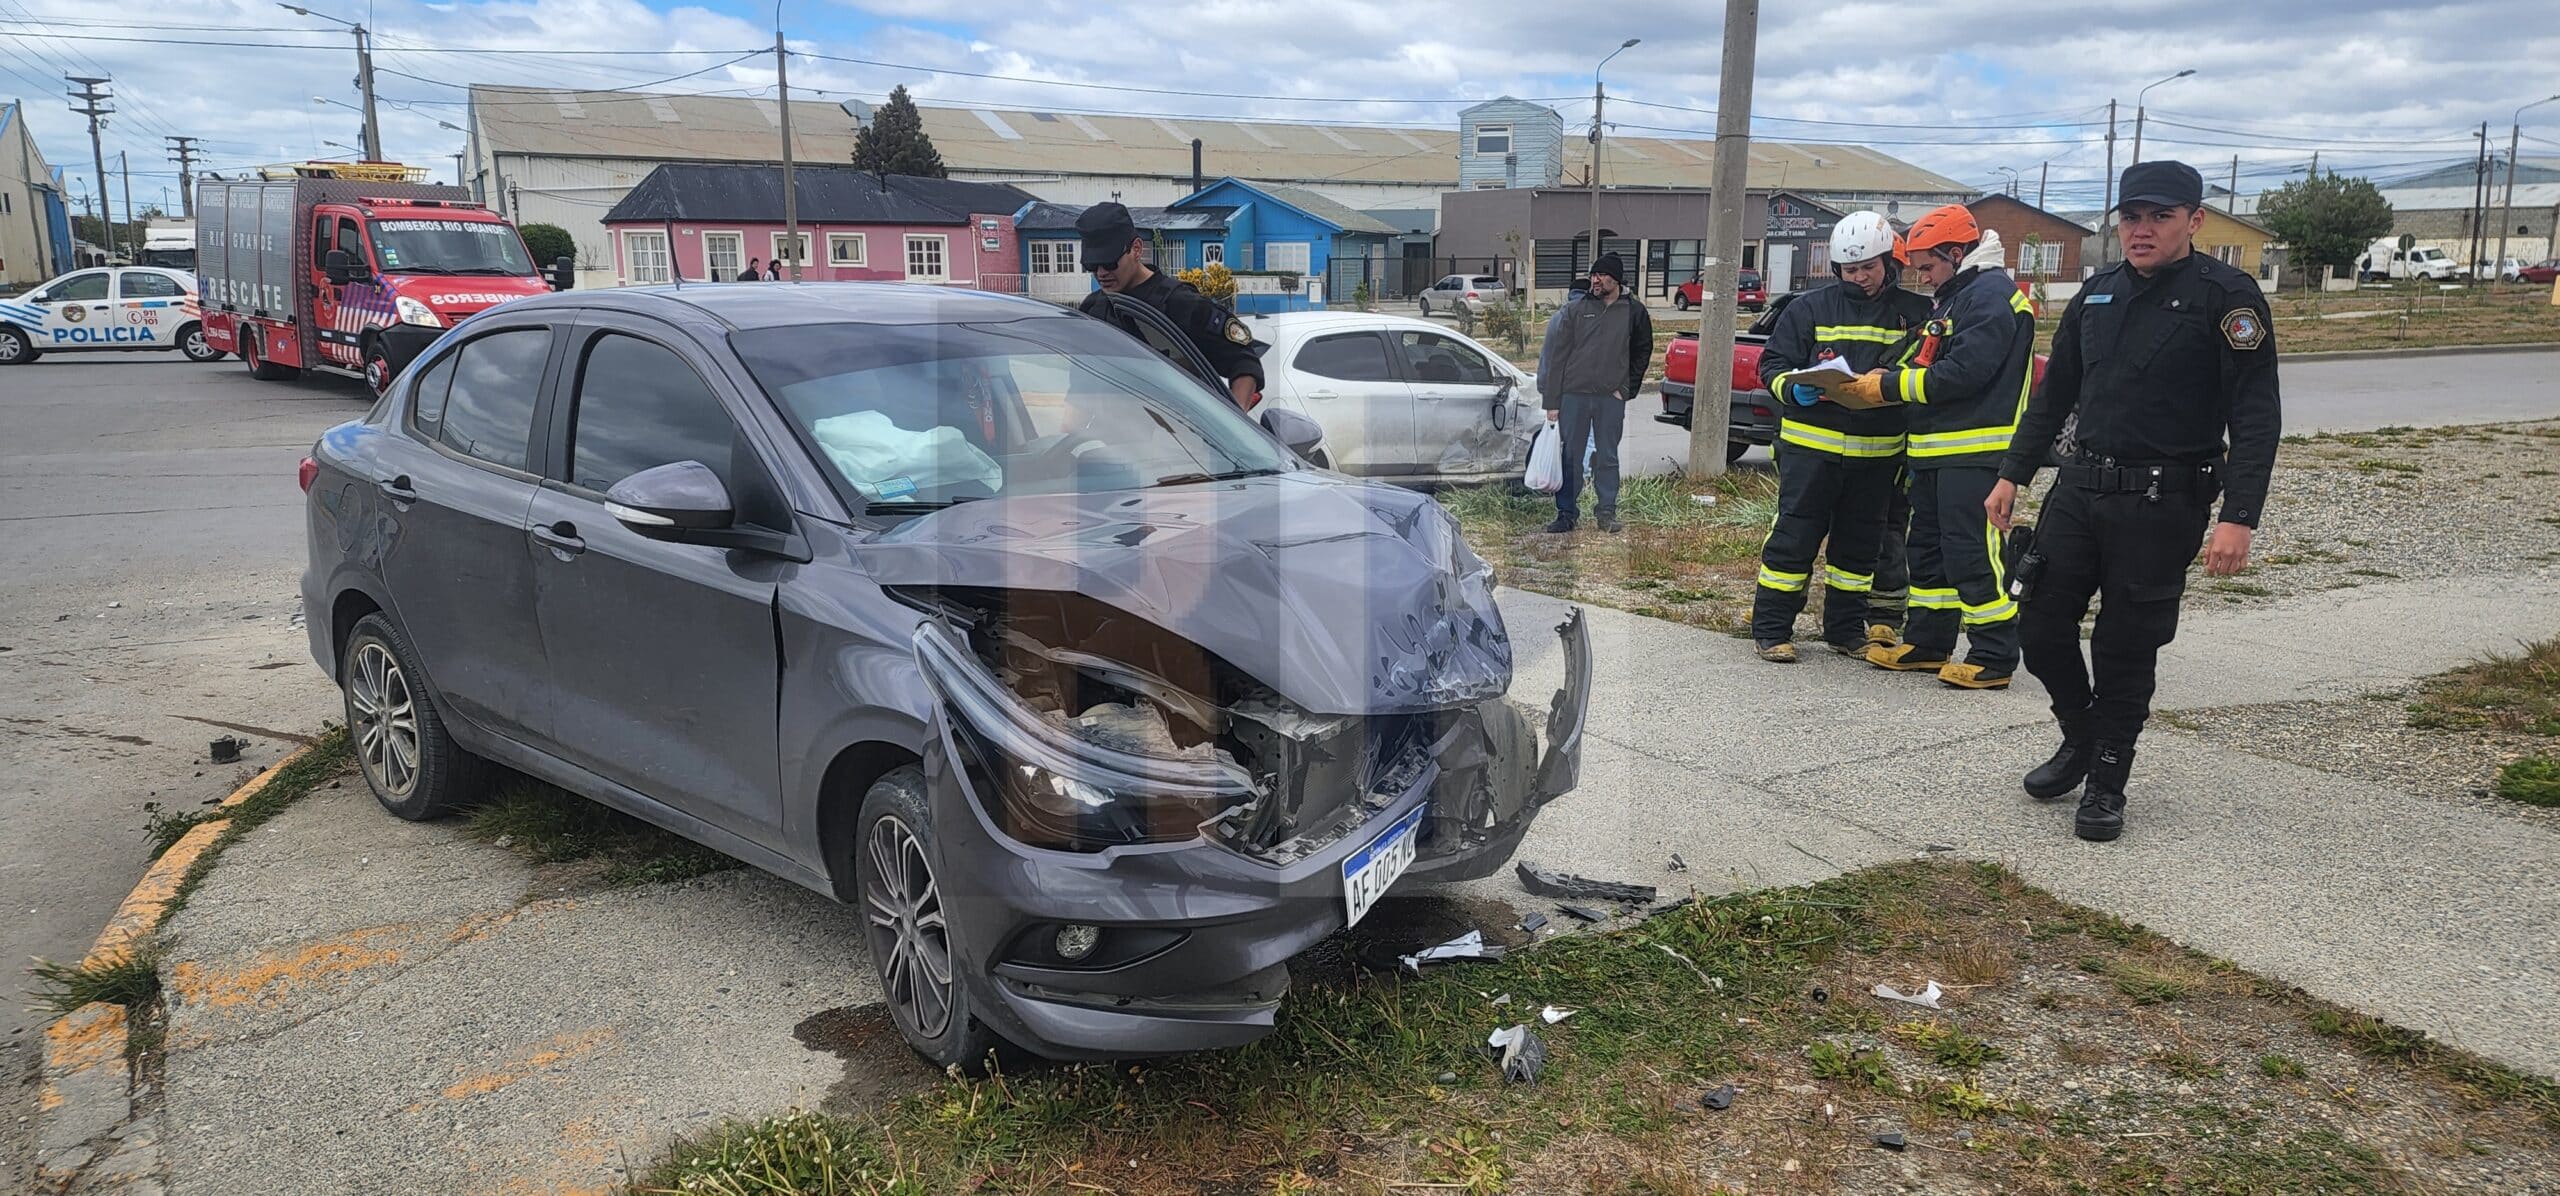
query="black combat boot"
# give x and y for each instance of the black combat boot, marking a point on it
(2101, 815)
(2057, 777)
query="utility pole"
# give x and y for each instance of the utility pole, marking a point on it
(457, 176)
(92, 104)
(2507, 207)
(790, 192)
(2231, 198)
(364, 76)
(2044, 174)
(1730, 177)
(2315, 164)
(2107, 215)
(132, 231)
(2480, 199)
(182, 150)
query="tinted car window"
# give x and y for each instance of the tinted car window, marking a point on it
(1352, 357)
(426, 413)
(78, 287)
(1432, 357)
(488, 410)
(640, 406)
(141, 284)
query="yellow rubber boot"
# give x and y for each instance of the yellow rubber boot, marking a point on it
(1904, 658)
(1883, 634)
(1972, 676)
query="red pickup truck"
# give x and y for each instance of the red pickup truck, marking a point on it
(1754, 418)
(1749, 296)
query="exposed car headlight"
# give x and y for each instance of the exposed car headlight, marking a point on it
(1059, 784)
(414, 311)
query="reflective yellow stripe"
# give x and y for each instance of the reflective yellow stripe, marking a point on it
(1932, 599)
(2018, 303)
(1856, 332)
(1969, 440)
(1838, 444)
(1838, 580)
(1913, 384)
(1993, 612)
(1775, 580)
(1999, 576)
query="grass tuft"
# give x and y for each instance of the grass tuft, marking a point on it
(2533, 780)
(547, 825)
(164, 827)
(2281, 1067)
(131, 979)
(327, 757)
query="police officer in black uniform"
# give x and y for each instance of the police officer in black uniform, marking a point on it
(2165, 356)
(1111, 252)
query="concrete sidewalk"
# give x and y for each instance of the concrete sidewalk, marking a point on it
(359, 1003)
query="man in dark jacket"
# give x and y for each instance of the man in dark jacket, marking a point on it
(1113, 255)
(1837, 466)
(1963, 388)
(1598, 350)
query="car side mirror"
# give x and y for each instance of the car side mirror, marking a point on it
(563, 273)
(342, 266)
(1297, 431)
(665, 502)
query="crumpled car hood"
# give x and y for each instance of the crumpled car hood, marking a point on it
(1344, 597)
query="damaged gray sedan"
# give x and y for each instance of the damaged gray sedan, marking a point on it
(1093, 699)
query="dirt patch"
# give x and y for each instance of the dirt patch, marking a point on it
(878, 1067)
(2411, 316)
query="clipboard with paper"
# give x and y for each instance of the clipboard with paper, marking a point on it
(1822, 376)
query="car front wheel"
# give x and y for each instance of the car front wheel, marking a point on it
(905, 923)
(15, 348)
(413, 766)
(1680, 301)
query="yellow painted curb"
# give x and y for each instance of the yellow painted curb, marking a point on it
(141, 909)
(258, 782)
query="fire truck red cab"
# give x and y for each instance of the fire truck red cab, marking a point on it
(348, 268)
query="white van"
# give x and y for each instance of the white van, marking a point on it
(2385, 260)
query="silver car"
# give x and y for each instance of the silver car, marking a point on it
(1469, 292)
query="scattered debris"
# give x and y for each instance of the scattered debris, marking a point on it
(1926, 998)
(114, 605)
(1565, 884)
(1821, 995)
(1470, 945)
(1678, 864)
(1551, 1015)
(226, 750)
(1446, 1077)
(1704, 500)
(1584, 912)
(1531, 922)
(1521, 1053)
(1504, 999)
(1893, 1142)
(1720, 1098)
(1938, 848)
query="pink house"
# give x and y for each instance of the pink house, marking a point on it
(703, 223)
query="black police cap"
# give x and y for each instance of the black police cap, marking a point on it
(2166, 183)
(1107, 231)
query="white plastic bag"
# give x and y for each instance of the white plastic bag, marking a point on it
(1546, 462)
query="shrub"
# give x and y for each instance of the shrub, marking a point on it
(548, 243)
(1213, 280)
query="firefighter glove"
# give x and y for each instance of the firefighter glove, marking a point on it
(1863, 392)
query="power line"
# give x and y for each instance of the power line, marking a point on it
(1156, 91)
(337, 46)
(1940, 126)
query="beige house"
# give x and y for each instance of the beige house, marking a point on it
(34, 232)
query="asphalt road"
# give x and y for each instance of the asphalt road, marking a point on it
(151, 538)
(150, 546)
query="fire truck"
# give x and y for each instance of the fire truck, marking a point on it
(351, 268)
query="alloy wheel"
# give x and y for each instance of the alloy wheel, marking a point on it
(10, 349)
(194, 345)
(377, 372)
(910, 939)
(383, 715)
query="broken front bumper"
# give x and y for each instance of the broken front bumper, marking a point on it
(1195, 936)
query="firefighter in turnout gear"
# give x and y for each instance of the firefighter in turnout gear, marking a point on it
(1837, 466)
(1962, 388)
(2163, 356)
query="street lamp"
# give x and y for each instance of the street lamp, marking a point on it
(2507, 206)
(2013, 179)
(364, 76)
(1599, 100)
(2137, 109)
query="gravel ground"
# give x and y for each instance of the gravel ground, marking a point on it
(2370, 739)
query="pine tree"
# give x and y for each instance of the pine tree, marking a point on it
(896, 143)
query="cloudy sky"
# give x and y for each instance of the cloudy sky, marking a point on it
(1963, 87)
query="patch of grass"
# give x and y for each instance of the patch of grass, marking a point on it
(131, 979)
(1967, 1102)
(802, 1153)
(2380, 465)
(2281, 1067)
(1831, 1061)
(547, 825)
(2533, 780)
(2249, 589)
(2369, 1035)
(2186, 1065)
(164, 827)
(1945, 1045)
(2148, 984)
(2508, 692)
(2362, 572)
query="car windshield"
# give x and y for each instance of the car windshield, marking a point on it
(911, 417)
(450, 247)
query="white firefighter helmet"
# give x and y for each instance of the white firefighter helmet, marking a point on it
(1860, 236)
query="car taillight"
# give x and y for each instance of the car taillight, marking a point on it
(1472, 295)
(310, 469)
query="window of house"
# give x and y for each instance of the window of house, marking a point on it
(1288, 257)
(926, 258)
(645, 256)
(722, 253)
(783, 246)
(1055, 257)
(848, 249)
(2227, 254)
(1493, 139)
(487, 412)
(640, 406)
(1350, 356)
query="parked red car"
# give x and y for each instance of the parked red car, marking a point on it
(2543, 271)
(1752, 296)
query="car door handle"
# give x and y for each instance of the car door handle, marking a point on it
(398, 490)
(561, 536)
(1324, 394)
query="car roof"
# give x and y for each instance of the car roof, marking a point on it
(751, 305)
(1332, 321)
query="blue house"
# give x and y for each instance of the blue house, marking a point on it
(1285, 244)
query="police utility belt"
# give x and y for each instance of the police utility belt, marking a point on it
(2106, 475)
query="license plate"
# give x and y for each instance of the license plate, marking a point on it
(1372, 870)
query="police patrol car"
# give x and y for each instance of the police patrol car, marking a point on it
(128, 307)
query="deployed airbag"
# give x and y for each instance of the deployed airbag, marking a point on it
(889, 463)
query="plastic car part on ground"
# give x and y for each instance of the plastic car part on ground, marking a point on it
(1584, 912)
(1470, 945)
(1520, 1052)
(1721, 1097)
(1926, 998)
(1564, 884)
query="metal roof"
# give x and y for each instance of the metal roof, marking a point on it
(624, 124)
(1047, 217)
(1338, 215)
(828, 195)
(2432, 199)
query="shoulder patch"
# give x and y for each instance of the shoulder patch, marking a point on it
(1237, 333)
(2243, 328)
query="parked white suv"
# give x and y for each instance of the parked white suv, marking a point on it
(1469, 291)
(1400, 399)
